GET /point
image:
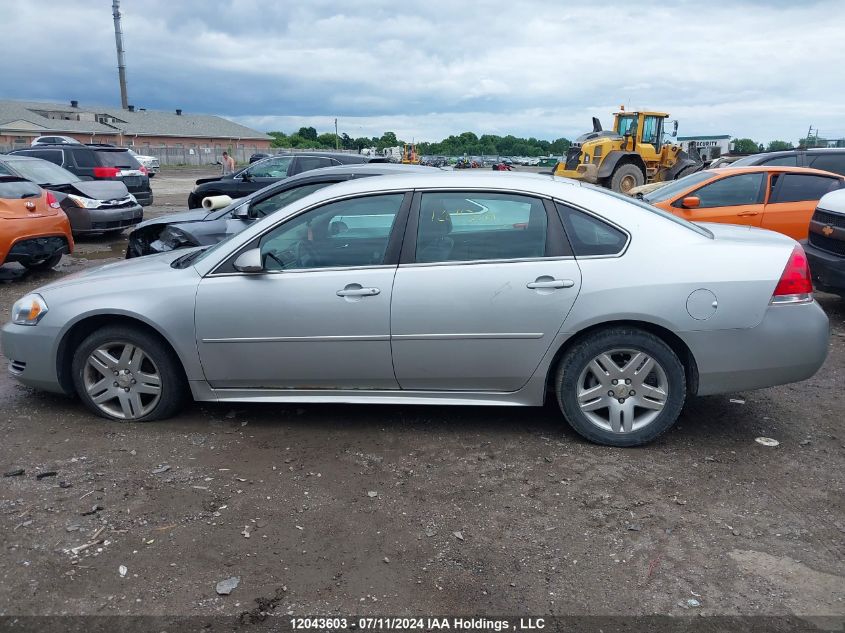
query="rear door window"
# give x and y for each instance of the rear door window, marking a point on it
(307, 163)
(834, 162)
(782, 161)
(52, 155)
(732, 191)
(801, 187)
(84, 158)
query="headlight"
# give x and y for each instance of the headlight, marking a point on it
(133, 198)
(85, 203)
(29, 310)
(174, 237)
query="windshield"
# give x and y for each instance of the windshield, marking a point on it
(117, 158)
(677, 186)
(652, 209)
(42, 171)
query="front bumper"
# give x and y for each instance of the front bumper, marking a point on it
(104, 219)
(789, 345)
(31, 350)
(828, 270)
(587, 173)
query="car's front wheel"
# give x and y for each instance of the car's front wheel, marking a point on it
(621, 386)
(125, 373)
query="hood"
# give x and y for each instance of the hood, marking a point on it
(95, 189)
(194, 215)
(125, 269)
(215, 178)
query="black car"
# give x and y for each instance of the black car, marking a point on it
(825, 245)
(826, 158)
(269, 170)
(203, 228)
(98, 162)
(91, 206)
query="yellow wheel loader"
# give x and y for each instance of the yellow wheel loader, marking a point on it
(633, 153)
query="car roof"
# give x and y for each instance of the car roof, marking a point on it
(5, 157)
(731, 170)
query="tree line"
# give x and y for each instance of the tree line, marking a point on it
(455, 145)
(470, 144)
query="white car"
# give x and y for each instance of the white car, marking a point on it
(54, 140)
(150, 162)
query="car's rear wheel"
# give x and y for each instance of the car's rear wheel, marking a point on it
(45, 264)
(621, 387)
(125, 373)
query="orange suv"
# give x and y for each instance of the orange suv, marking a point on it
(781, 199)
(34, 230)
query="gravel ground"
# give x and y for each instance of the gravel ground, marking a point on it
(419, 510)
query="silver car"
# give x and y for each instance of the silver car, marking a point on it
(450, 288)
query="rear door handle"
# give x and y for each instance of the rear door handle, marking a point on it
(550, 283)
(356, 290)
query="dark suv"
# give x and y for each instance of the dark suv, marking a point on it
(98, 162)
(826, 158)
(269, 170)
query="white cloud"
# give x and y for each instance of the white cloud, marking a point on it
(760, 69)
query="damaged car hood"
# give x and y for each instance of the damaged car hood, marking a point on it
(194, 215)
(95, 189)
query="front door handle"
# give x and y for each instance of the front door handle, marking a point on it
(548, 282)
(356, 290)
(745, 214)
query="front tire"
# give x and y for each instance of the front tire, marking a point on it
(626, 177)
(45, 264)
(124, 373)
(621, 387)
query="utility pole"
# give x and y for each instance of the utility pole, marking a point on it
(336, 137)
(121, 61)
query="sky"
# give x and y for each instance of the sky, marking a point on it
(749, 68)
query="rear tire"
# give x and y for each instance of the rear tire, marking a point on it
(124, 373)
(646, 399)
(45, 264)
(626, 177)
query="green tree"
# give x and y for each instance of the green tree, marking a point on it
(776, 146)
(745, 146)
(308, 133)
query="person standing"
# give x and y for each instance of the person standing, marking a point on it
(228, 164)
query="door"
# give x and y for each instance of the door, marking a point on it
(485, 284)
(318, 316)
(263, 173)
(307, 163)
(793, 199)
(731, 200)
(652, 137)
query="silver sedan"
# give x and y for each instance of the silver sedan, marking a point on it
(450, 288)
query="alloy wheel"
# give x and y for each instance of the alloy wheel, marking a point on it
(122, 380)
(622, 390)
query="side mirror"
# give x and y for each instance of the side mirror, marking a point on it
(249, 261)
(691, 202)
(674, 129)
(242, 212)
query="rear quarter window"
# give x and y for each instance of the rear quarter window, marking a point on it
(829, 162)
(588, 235)
(84, 158)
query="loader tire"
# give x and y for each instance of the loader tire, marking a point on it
(625, 177)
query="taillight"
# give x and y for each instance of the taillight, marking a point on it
(145, 171)
(795, 285)
(51, 200)
(106, 172)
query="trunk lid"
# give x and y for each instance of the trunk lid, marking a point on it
(20, 199)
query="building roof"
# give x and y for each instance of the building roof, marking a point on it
(88, 119)
(716, 137)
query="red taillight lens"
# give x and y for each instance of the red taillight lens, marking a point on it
(795, 285)
(144, 170)
(51, 200)
(106, 172)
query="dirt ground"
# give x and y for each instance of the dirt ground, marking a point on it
(420, 510)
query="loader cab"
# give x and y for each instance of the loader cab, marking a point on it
(644, 128)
